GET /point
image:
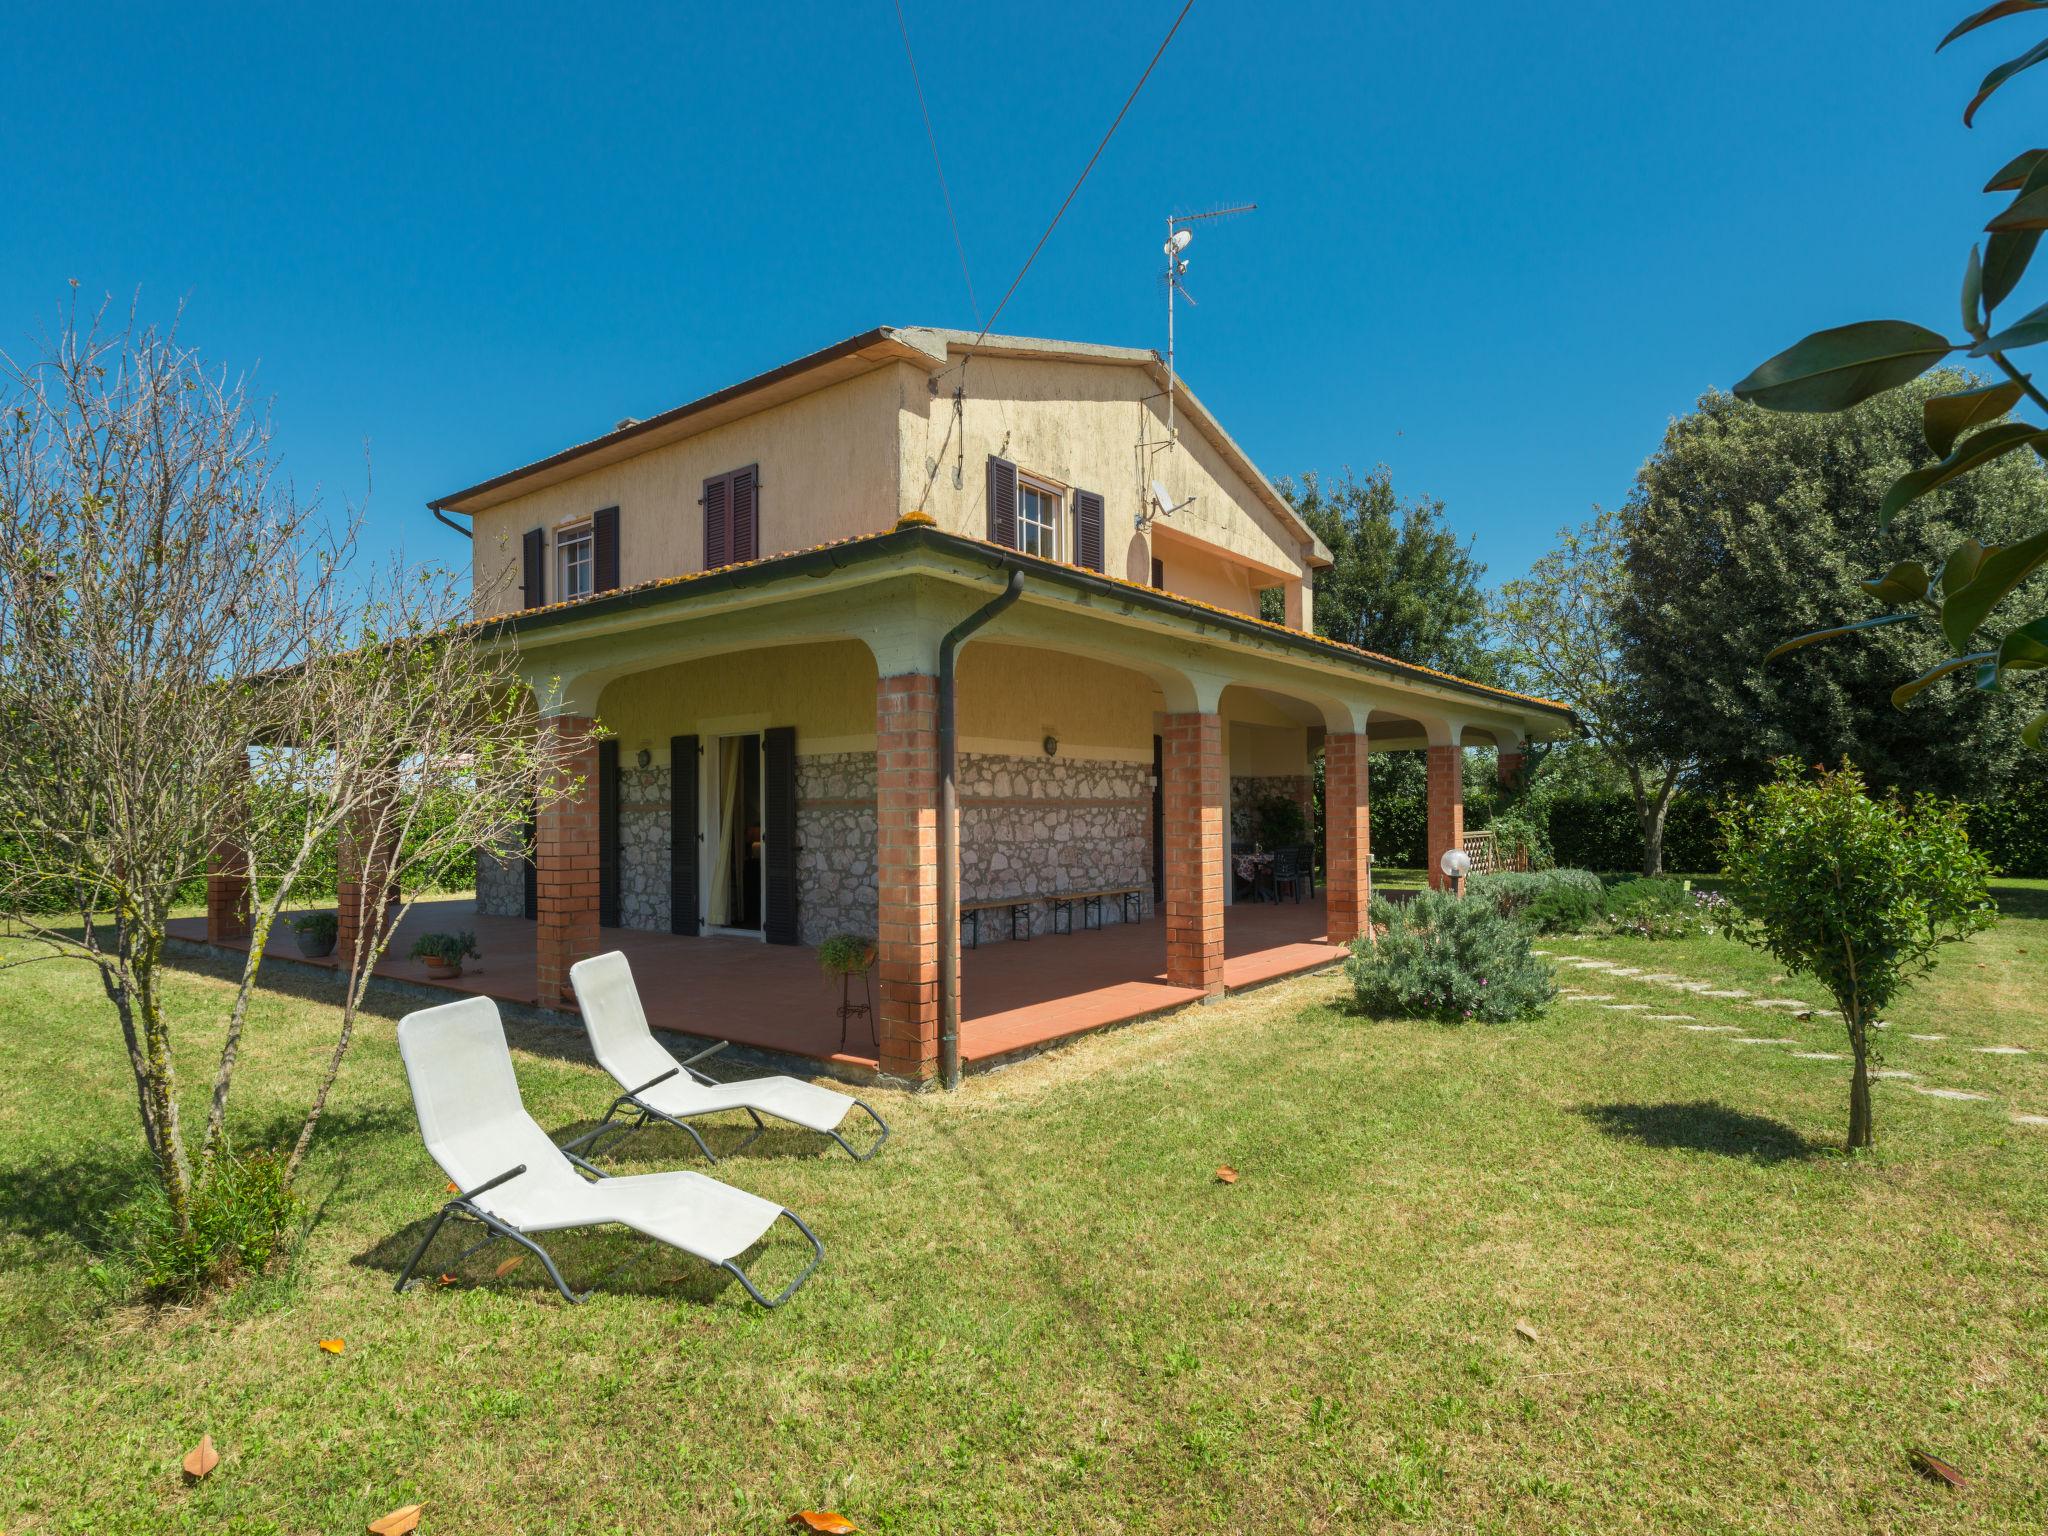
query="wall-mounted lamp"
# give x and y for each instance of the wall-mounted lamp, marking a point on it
(1052, 745)
(645, 759)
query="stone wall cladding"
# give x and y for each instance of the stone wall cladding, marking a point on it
(644, 816)
(835, 830)
(1037, 825)
(501, 882)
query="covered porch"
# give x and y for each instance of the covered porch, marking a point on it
(1015, 997)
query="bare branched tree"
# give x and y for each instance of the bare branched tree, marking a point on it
(187, 658)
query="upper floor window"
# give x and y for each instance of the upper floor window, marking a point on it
(1038, 520)
(576, 561)
(732, 527)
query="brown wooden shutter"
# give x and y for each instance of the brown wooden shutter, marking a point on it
(682, 836)
(604, 550)
(530, 871)
(1002, 502)
(534, 568)
(778, 833)
(717, 522)
(608, 834)
(746, 523)
(1159, 574)
(1088, 530)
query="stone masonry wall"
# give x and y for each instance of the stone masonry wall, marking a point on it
(835, 831)
(643, 848)
(500, 882)
(1247, 793)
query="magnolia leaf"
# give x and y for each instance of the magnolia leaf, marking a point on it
(1995, 12)
(1944, 418)
(2034, 734)
(1973, 290)
(1937, 1469)
(2030, 330)
(2025, 649)
(1961, 565)
(2002, 568)
(828, 1521)
(1226, 1175)
(2008, 251)
(1905, 582)
(201, 1459)
(333, 1346)
(399, 1522)
(1979, 448)
(1834, 369)
(1934, 674)
(2013, 174)
(2003, 73)
(1842, 629)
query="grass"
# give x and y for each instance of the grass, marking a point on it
(1040, 1311)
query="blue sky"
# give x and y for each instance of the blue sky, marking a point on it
(1497, 247)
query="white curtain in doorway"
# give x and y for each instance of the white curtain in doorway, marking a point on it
(729, 829)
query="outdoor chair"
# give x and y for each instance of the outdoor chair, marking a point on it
(658, 1087)
(1306, 853)
(1287, 876)
(515, 1182)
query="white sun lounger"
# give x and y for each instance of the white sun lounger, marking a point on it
(658, 1087)
(515, 1182)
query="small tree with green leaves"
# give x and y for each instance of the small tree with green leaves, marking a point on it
(1855, 892)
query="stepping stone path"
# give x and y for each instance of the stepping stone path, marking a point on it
(1805, 1010)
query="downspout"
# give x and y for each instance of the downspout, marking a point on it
(451, 523)
(949, 833)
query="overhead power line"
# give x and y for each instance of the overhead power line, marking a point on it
(937, 164)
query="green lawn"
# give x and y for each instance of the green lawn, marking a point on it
(1040, 1312)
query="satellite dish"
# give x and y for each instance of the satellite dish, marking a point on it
(1179, 241)
(1160, 498)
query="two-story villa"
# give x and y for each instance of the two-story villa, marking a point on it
(811, 608)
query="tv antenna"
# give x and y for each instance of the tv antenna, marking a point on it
(1179, 236)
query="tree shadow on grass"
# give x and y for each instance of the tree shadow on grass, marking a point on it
(1703, 1126)
(2019, 900)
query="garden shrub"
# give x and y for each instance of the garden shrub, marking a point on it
(1565, 908)
(1512, 892)
(1653, 908)
(243, 1214)
(1439, 957)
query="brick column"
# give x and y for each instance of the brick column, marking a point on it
(1197, 810)
(565, 869)
(1446, 809)
(1347, 824)
(227, 866)
(907, 873)
(363, 875)
(1508, 768)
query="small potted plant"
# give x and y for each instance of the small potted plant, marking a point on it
(847, 955)
(316, 933)
(443, 953)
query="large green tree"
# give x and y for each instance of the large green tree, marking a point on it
(1403, 583)
(1750, 525)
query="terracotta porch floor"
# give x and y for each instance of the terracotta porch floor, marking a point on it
(1014, 997)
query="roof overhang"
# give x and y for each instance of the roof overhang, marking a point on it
(611, 624)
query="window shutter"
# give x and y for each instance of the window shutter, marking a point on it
(534, 567)
(530, 899)
(604, 550)
(1088, 530)
(608, 834)
(1002, 502)
(778, 833)
(717, 522)
(682, 835)
(746, 524)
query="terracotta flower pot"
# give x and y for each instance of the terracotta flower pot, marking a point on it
(443, 970)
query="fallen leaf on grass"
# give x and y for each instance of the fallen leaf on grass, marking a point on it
(1226, 1175)
(509, 1265)
(1937, 1469)
(452, 1189)
(447, 1279)
(829, 1521)
(398, 1522)
(1527, 1330)
(201, 1459)
(333, 1346)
